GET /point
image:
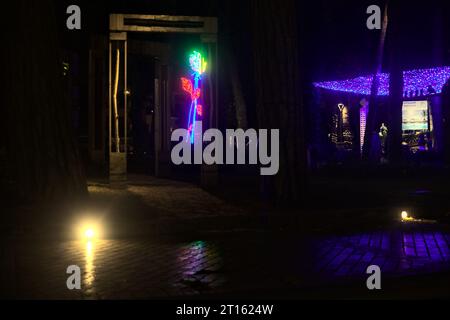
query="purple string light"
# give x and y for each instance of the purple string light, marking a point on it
(415, 82)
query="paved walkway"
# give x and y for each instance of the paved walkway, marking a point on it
(403, 250)
(227, 263)
(226, 260)
(167, 199)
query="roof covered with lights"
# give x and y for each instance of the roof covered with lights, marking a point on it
(418, 82)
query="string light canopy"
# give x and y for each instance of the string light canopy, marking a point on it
(418, 82)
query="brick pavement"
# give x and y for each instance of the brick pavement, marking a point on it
(229, 263)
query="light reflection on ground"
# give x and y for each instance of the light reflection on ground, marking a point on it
(148, 268)
(397, 252)
(89, 269)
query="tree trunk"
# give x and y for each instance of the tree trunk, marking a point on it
(373, 99)
(278, 90)
(238, 97)
(42, 152)
(232, 30)
(395, 85)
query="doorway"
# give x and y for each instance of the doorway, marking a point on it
(146, 100)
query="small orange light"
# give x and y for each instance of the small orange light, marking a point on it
(404, 215)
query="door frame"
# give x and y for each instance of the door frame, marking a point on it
(119, 26)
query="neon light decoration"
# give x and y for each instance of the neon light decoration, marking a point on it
(419, 82)
(192, 86)
(363, 111)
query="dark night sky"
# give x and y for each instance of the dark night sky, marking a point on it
(335, 41)
(341, 45)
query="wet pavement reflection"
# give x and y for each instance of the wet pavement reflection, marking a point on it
(144, 268)
(397, 252)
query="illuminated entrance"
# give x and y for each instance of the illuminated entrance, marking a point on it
(417, 125)
(152, 61)
(421, 120)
